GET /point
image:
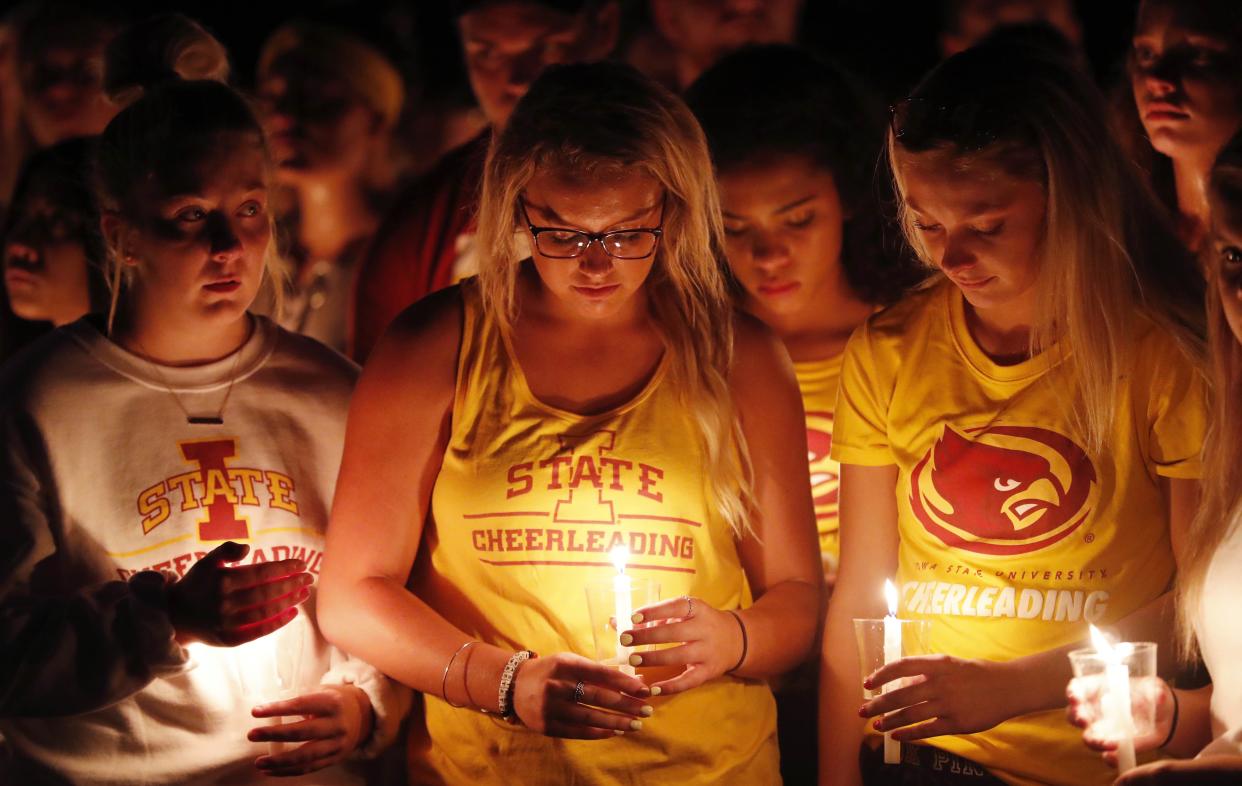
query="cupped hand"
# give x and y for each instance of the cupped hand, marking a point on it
(710, 642)
(544, 698)
(938, 694)
(224, 605)
(331, 724)
(1146, 694)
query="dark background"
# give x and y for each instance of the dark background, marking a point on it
(888, 42)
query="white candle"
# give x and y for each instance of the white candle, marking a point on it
(1115, 702)
(623, 610)
(892, 653)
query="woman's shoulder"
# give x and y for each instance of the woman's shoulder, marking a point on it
(306, 352)
(891, 330)
(418, 352)
(908, 315)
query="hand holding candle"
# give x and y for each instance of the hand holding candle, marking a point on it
(1114, 696)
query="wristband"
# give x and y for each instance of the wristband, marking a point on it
(505, 693)
(745, 643)
(1173, 725)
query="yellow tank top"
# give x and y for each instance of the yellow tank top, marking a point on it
(529, 501)
(818, 380)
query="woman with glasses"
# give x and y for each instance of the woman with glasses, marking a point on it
(590, 396)
(1019, 443)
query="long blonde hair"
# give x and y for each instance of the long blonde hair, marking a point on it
(1109, 256)
(601, 117)
(1220, 507)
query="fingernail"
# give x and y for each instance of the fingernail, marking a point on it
(878, 724)
(626, 639)
(636, 725)
(636, 660)
(868, 684)
(647, 710)
(656, 690)
(862, 711)
(618, 732)
(637, 618)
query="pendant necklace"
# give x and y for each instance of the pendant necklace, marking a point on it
(199, 420)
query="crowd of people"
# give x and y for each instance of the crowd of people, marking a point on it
(394, 385)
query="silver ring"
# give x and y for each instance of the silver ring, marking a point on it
(690, 603)
(579, 689)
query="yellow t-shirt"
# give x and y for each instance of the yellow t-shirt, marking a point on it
(527, 506)
(818, 380)
(1012, 539)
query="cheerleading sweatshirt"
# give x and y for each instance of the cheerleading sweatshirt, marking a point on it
(103, 477)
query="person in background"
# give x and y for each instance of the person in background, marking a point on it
(166, 472)
(53, 255)
(1020, 442)
(60, 55)
(1184, 102)
(794, 143)
(1202, 728)
(426, 241)
(597, 391)
(688, 36)
(967, 22)
(329, 100)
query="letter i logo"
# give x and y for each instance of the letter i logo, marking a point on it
(219, 499)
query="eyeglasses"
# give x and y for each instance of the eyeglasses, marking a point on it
(562, 243)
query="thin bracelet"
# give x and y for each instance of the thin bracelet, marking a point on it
(1173, 726)
(444, 677)
(745, 643)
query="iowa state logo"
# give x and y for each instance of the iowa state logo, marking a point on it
(825, 473)
(1003, 489)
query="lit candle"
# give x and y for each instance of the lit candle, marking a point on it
(621, 592)
(892, 653)
(1115, 703)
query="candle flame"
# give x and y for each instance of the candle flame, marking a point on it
(1101, 644)
(619, 556)
(890, 595)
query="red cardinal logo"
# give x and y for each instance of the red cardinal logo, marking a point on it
(825, 473)
(1003, 490)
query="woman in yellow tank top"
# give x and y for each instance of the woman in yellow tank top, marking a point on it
(593, 391)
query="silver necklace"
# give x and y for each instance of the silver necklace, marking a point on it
(199, 420)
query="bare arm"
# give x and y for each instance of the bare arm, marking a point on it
(395, 440)
(869, 541)
(781, 554)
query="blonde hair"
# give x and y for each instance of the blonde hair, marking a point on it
(168, 121)
(1220, 507)
(1108, 258)
(605, 117)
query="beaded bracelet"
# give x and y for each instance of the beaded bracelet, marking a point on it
(745, 643)
(1173, 725)
(505, 699)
